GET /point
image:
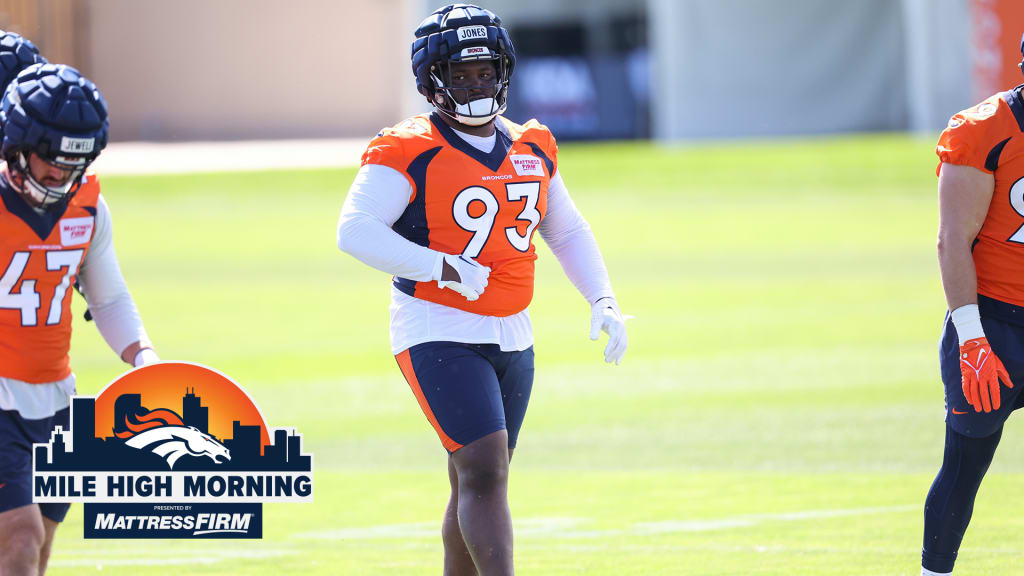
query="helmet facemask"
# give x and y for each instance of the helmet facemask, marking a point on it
(474, 104)
(42, 191)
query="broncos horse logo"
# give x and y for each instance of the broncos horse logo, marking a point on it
(162, 432)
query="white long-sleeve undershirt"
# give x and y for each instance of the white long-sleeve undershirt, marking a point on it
(376, 200)
(568, 234)
(105, 291)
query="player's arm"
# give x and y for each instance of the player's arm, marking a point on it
(376, 200)
(964, 197)
(111, 304)
(570, 238)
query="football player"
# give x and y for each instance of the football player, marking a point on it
(448, 203)
(981, 258)
(55, 229)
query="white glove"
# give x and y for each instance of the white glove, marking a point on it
(472, 277)
(605, 316)
(145, 356)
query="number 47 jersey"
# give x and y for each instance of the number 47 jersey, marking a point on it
(40, 255)
(483, 205)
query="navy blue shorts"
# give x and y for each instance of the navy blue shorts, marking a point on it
(1004, 327)
(16, 438)
(468, 391)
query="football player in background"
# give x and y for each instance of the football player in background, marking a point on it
(55, 228)
(981, 258)
(448, 202)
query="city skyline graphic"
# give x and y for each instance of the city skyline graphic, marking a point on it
(169, 387)
(101, 428)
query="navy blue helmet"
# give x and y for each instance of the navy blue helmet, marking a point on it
(1021, 63)
(462, 33)
(57, 114)
(16, 54)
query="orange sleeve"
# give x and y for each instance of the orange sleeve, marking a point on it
(972, 134)
(552, 149)
(545, 139)
(386, 149)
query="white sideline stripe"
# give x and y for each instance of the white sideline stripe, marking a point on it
(243, 156)
(572, 527)
(384, 531)
(526, 528)
(755, 519)
(130, 557)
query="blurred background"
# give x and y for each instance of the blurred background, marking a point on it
(591, 69)
(761, 178)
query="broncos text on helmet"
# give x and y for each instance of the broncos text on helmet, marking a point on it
(57, 114)
(462, 33)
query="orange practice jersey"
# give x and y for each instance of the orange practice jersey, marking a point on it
(39, 260)
(990, 137)
(483, 205)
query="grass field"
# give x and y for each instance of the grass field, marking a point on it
(778, 411)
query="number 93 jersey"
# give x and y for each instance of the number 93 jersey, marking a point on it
(990, 137)
(40, 255)
(483, 205)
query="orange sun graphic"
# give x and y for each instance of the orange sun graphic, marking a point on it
(164, 386)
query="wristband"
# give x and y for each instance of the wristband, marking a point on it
(967, 320)
(145, 356)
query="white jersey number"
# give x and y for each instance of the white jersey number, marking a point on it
(530, 191)
(1017, 201)
(482, 224)
(27, 299)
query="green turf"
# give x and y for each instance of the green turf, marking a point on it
(778, 411)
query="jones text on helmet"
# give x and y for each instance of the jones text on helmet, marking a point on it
(472, 33)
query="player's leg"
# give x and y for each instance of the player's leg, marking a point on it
(514, 371)
(22, 533)
(950, 501)
(970, 444)
(515, 377)
(50, 530)
(21, 540)
(484, 516)
(53, 514)
(458, 391)
(457, 560)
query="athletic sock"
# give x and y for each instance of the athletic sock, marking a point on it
(927, 572)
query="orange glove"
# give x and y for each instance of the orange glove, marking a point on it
(981, 371)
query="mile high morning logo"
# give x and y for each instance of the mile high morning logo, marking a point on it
(171, 450)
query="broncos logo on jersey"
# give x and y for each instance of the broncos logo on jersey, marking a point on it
(163, 433)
